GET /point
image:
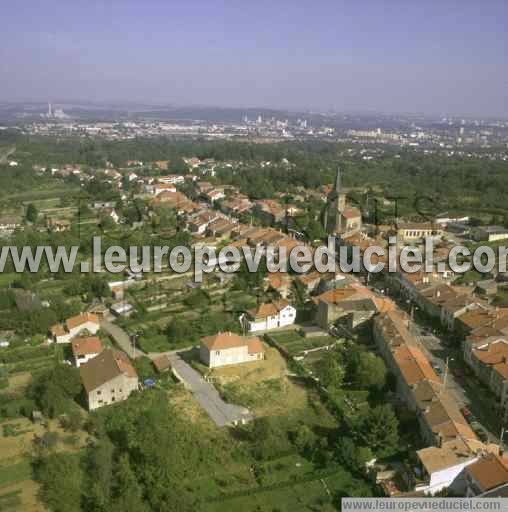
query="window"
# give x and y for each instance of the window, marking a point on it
(99, 392)
(217, 353)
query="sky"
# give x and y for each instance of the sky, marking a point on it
(414, 56)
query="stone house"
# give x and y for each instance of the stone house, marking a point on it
(108, 378)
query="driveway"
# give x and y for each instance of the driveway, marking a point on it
(220, 412)
(122, 339)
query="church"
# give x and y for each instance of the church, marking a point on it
(340, 219)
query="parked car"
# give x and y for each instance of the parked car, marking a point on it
(437, 368)
(465, 412)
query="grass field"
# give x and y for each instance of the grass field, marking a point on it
(294, 344)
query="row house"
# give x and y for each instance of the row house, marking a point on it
(236, 205)
(221, 228)
(487, 477)
(452, 444)
(343, 303)
(199, 222)
(490, 364)
(269, 211)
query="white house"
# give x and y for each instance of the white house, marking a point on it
(84, 349)
(63, 333)
(171, 179)
(443, 467)
(269, 316)
(227, 348)
(163, 187)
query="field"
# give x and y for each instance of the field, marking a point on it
(296, 345)
(285, 481)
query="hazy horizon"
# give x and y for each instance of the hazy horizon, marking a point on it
(431, 58)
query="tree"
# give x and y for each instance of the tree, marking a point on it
(330, 370)
(268, 437)
(31, 213)
(127, 494)
(351, 455)
(60, 477)
(304, 439)
(378, 429)
(54, 390)
(367, 370)
(99, 463)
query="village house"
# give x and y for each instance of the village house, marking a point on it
(482, 316)
(490, 364)
(161, 165)
(172, 179)
(452, 443)
(416, 232)
(269, 211)
(226, 348)
(279, 282)
(443, 467)
(236, 205)
(199, 222)
(202, 187)
(158, 188)
(343, 303)
(487, 477)
(58, 225)
(490, 233)
(63, 333)
(8, 223)
(221, 228)
(214, 195)
(269, 316)
(84, 349)
(108, 378)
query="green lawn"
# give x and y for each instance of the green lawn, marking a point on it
(289, 496)
(295, 344)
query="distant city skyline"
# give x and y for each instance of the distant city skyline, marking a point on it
(434, 58)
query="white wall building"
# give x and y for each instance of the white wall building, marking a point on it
(63, 333)
(227, 348)
(269, 316)
(84, 349)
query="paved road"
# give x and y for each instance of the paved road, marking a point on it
(122, 339)
(220, 412)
